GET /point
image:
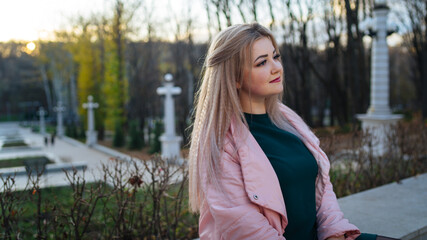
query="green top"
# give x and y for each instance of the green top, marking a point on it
(296, 169)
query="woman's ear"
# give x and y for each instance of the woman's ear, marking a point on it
(238, 85)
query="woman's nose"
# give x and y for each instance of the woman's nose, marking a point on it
(277, 67)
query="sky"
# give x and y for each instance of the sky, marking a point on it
(29, 20)
(33, 19)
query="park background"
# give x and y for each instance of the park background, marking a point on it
(119, 52)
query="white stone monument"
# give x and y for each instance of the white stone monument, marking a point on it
(378, 120)
(170, 142)
(42, 124)
(59, 109)
(91, 134)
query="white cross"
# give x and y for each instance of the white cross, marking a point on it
(42, 113)
(90, 105)
(59, 127)
(169, 90)
(170, 142)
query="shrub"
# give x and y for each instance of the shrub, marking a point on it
(155, 145)
(136, 138)
(354, 166)
(119, 137)
(130, 200)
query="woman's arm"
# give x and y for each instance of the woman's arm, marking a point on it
(330, 219)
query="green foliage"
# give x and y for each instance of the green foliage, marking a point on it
(49, 128)
(136, 137)
(35, 128)
(15, 144)
(71, 130)
(119, 136)
(19, 162)
(82, 132)
(407, 114)
(155, 145)
(344, 129)
(115, 87)
(8, 118)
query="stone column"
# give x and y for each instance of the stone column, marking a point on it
(170, 142)
(91, 134)
(42, 124)
(378, 118)
(59, 109)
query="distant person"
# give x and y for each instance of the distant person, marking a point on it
(256, 169)
(46, 141)
(52, 138)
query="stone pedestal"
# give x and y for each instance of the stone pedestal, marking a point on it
(379, 127)
(171, 148)
(91, 138)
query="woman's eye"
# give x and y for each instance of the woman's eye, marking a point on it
(277, 56)
(261, 63)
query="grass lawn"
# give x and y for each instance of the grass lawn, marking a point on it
(15, 144)
(20, 162)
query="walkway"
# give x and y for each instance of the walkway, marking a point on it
(396, 210)
(68, 151)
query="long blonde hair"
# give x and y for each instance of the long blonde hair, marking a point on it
(217, 102)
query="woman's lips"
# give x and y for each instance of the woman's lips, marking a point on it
(275, 80)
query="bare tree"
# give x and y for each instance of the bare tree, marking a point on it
(416, 40)
(328, 69)
(300, 16)
(356, 74)
(239, 6)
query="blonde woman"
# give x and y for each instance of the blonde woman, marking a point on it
(256, 169)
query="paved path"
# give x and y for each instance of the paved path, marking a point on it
(66, 151)
(394, 210)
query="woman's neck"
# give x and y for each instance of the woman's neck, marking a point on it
(254, 107)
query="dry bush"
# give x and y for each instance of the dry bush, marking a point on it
(356, 167)
(131, 200)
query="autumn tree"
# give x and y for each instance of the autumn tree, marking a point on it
(57, 71)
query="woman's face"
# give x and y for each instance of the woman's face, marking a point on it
(264, 76)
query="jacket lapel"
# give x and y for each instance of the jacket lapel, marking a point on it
(261, 182)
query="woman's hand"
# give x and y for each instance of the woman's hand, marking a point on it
(336, 238)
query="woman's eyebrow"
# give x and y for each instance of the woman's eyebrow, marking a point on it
(262, 56)
(265, 55)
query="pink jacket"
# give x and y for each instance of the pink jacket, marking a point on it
(253, 206)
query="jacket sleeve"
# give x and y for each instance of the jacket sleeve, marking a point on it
(330, 219)
(234, 215)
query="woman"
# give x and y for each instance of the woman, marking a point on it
(250, 154)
